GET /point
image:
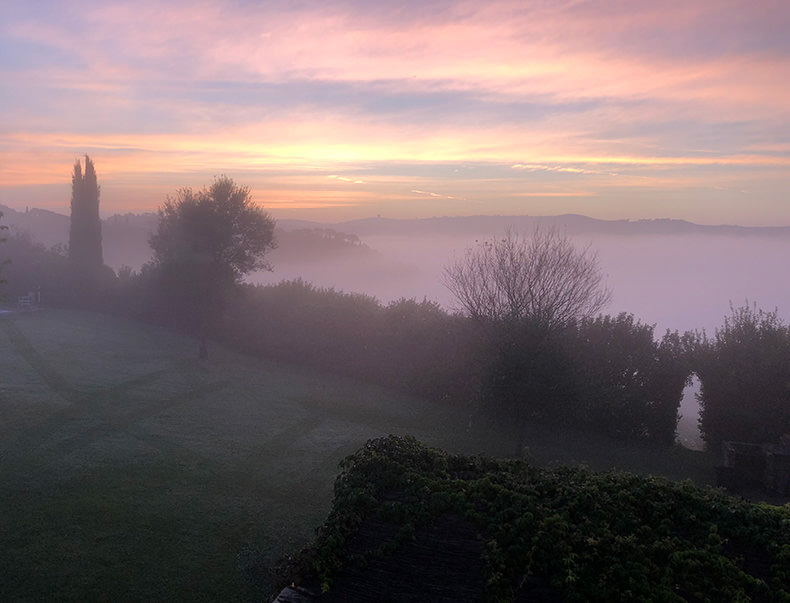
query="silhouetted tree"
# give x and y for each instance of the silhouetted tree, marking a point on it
(543, 279)
(34, 268)
(3, 227)
(85, 248)
(744, 372)
(628, 384)
(525, 292)
(92, 281)
(205, 243)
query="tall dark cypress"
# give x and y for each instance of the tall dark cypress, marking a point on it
(85, 248)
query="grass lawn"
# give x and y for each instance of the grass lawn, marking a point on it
(129, 470)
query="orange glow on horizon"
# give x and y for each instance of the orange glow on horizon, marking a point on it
(128, 158)
(496, 106)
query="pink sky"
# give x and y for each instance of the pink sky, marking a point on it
(616, 109)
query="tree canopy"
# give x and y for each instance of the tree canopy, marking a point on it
(745, 378)
(206, 242)
(218, 228)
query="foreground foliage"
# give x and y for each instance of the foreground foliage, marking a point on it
(585, 536)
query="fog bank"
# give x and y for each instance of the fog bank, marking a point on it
(682, 282)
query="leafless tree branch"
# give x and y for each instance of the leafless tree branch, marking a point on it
(543, 278)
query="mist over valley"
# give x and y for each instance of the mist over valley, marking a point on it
(348, 338)
(411, 301)
(671, 273)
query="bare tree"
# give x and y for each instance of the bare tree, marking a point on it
(543, 279)
(526, 292)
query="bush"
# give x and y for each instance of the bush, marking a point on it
(33, 267)
(576, 535)
(413, 346)
(744, 370)
(607, 375)
(629, 384)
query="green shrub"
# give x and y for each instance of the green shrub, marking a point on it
(592, 537)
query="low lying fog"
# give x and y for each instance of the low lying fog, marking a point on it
(682, 282)
(677, 282)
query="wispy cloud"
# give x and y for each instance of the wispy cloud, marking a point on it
(433, 195)
(619, 94)
(556, 194)
(534, 167)
(344, 179)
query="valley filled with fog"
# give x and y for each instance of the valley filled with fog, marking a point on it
(677, 282)
(669, 273)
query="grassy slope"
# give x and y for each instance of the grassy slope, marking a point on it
(131, 471)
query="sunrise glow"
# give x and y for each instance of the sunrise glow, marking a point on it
(340, 110)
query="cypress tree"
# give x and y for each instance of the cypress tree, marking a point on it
(85, 249)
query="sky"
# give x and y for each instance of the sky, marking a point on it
(349, 109)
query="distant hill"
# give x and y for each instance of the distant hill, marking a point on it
(571, 223)
(125, 237)
(48, 227)
(316, 245)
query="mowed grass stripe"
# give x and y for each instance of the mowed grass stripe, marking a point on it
(95, 405)
(151, 486)
(163, 476)
(137, 382)
(89, 414)
(241, 471)
(113, 419)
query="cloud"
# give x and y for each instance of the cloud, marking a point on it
(556, 194)
(434, 195)
(533, 167)
(619, 93)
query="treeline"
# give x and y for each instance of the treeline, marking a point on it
(51, 277)
(744, 371)
(608, 374)
(613, 375)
